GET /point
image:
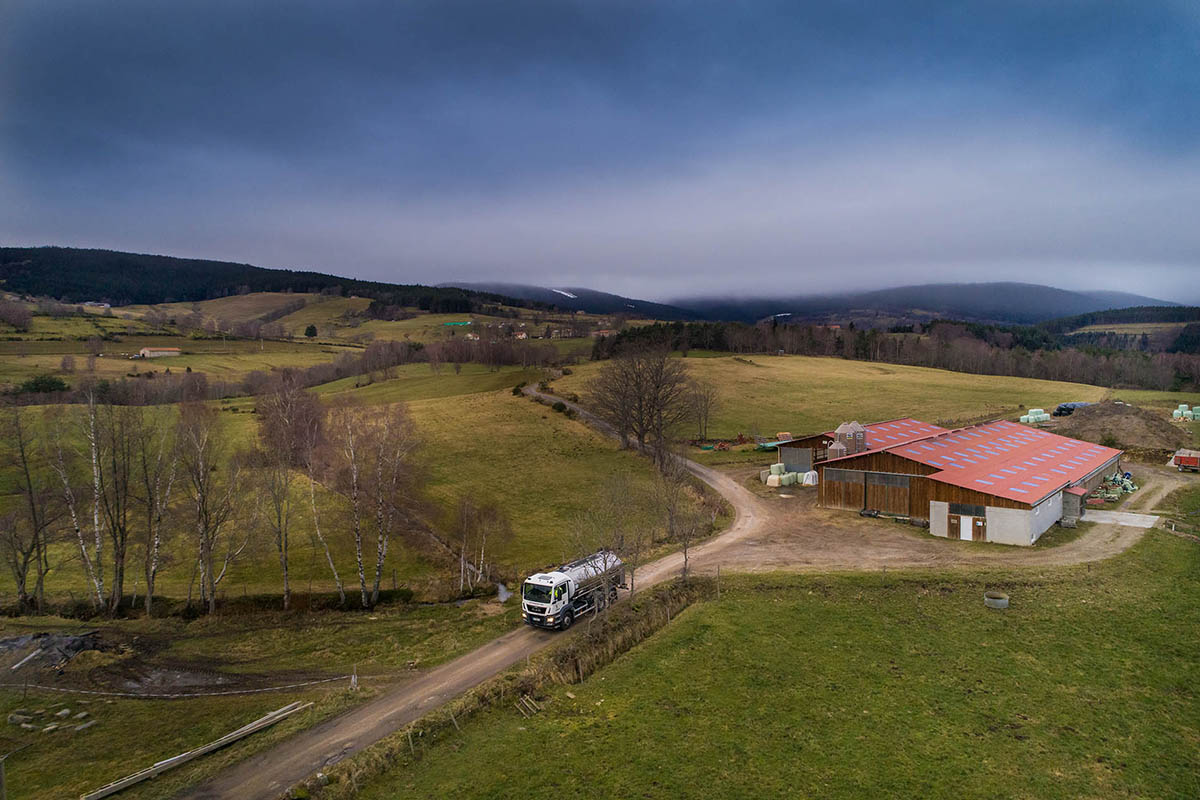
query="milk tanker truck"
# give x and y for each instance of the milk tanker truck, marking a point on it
(555, 599)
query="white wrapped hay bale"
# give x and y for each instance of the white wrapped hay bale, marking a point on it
(773, 480)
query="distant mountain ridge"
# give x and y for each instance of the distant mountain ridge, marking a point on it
(1001, 302)
(77, 275)
(581, 299)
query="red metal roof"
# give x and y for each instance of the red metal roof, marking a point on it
(895, 432)
(1007, 459)
(1077, 490)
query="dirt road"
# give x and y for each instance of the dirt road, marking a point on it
(768, 533)
(267, 775)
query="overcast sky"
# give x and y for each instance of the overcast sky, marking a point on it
(656, 149)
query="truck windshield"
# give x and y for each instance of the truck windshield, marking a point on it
(536, 594)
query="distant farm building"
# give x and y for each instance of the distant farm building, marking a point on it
(158, 352)
(603, 332)
(996, 482)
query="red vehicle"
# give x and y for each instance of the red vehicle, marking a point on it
(1187, 459)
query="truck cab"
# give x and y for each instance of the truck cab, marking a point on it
(545, 599)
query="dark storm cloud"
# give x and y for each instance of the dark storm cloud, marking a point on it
(651, 148)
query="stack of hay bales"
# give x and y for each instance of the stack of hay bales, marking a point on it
(778, 475)
(1183, 412)
(1035, 416)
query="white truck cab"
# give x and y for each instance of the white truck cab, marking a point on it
(554, 599)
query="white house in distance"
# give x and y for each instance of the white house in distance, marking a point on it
(158, 352)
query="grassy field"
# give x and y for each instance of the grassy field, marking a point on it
(544, 469)
(276, 648)
(1132, 327)
(322, 312)
(872, 686)
(799, 394)
(419, 382)
(235, 308)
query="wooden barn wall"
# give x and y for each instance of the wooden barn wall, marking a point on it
(847, 495)
(921, 490)
(881, 461)
(888, 499)
(919, 495)
(957, 494)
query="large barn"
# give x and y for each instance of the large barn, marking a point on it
(996, 482)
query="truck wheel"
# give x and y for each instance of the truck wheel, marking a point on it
(567, 619)
(612, 596)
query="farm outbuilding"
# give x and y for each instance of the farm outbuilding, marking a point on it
(801, 454)
(996, 482)
(158, 352)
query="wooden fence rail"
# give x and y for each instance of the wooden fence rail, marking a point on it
(174, 761)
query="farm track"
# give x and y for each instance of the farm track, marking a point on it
(767, 534)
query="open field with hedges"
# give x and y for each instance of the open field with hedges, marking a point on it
(220, 359)
(895, 685)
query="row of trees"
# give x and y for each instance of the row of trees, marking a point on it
(105, 487)
(945, 346)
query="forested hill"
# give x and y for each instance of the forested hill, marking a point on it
(1000, 302)
(78, 275)
(1124, 316)
(581, 299)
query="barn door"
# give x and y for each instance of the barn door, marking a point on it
(979, 532)
(964, 529)
(952, 526)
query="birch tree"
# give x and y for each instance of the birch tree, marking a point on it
(213, 482)
(158, 467)
(63, 459)
(375, 450)
(313, 445)
(286, 412)
(480, 528)
(26, 533)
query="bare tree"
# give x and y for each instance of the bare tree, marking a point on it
(118, 436)
(613, 524)
(63, 460)
(683, 521)
(25, 535)
(375, 448)
(286, 413)
(703, 398)
(478, 526)
(213, 481)
(642, 393)
(158, 466)
(312, 436)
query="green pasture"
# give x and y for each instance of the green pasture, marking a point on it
(764, 395)
(881, 685)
